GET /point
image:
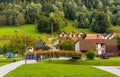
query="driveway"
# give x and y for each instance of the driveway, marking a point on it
(111, 69)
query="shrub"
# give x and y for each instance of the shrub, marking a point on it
(90, 55)
(52, 54)
(67, 45)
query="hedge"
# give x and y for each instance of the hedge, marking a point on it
(55, 54)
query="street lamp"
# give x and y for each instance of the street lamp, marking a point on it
(25, 44)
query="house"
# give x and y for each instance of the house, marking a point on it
(39, 44)
(75, 40)
(72, 34)
(101, 36)
(94, 36)
(99, 45)
(80, 34)
(63, 34)
(97, 42)
(109, 36)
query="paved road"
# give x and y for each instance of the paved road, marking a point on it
(111, 69)
(53, 45)
(9, 67)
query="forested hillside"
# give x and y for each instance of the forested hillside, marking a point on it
(97, 15)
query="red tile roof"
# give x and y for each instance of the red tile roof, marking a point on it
(94, 36)
(73, 39)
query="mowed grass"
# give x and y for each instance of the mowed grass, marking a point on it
(4, 61)
(57, 70)
(113, 61)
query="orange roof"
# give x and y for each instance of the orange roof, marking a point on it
(94, 36)
(73, 39)
(38, 51)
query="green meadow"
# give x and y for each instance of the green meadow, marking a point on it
(57, 70)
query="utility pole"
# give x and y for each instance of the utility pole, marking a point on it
(51, 17)
(25, 44)
(52, 28)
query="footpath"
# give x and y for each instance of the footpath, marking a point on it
(111, 69)
(9, 67)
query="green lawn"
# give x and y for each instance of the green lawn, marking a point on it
(112, 61)
(57, 70)
(4, 61)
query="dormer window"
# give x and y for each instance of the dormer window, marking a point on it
(97, 36)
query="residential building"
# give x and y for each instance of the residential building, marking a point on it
(63, 34)
(97, 42)
(99, 45)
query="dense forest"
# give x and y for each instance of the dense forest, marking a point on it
(97, 15)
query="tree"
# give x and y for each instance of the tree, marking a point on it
(32, 12)
(16, 44)
(101, 23)
(47, 8)
(118, 39)
(5, 49)
(13, 15)
(51, 24)
(70, 11)
(43, 25)
(67, 45)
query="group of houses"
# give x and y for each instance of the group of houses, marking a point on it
(97, 42)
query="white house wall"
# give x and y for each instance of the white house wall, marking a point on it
(77, 46)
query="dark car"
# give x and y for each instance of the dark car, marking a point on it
(104, 56)
(76, 57)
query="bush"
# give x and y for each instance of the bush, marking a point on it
(90, 55)
(53, 54)
(67, 45)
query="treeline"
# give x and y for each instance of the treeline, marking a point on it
(98, 15)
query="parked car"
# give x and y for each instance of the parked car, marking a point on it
(76, 57)
(104, 56)
(9, 55)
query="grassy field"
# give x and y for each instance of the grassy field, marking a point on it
(57, 70)
(6, 32)
(112, 61)
(115, 29)
(4, 61)
(70, 28)
(30, 29)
